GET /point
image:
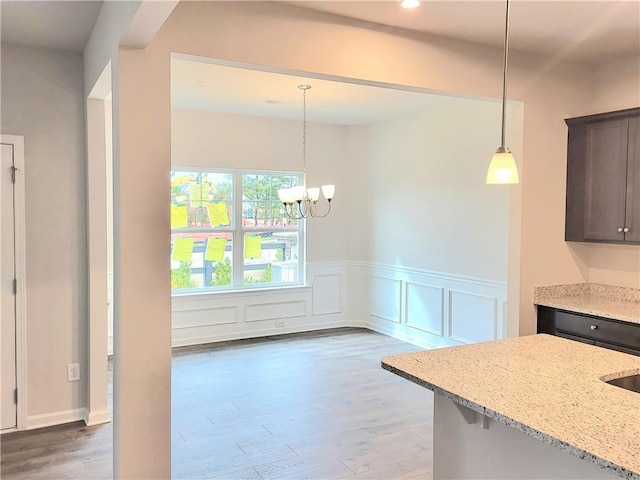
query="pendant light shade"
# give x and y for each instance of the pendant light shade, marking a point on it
(503, 169)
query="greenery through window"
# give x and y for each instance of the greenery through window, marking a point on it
(229, 230)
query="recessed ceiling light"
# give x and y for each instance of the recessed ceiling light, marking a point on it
(410, 3)
(273, 102)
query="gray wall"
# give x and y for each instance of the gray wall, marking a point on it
(42, 99)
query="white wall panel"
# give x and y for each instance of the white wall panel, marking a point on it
(203, 317)
(425, 308)
(327, 294)
(429, 309)
(257, 312)
(386, 298)
(472, 318)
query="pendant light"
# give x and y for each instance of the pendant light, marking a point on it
(301, 202)
(502, 168)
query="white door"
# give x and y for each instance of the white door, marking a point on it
(7, 297)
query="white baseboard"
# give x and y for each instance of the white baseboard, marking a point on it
(229, 336)
(54, 418)
(96, 418)
(419, 339)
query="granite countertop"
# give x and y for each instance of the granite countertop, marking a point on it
(545, 386)
(618, 303)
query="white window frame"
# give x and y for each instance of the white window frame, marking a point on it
(238, 231)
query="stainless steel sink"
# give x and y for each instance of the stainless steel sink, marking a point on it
(632, 382)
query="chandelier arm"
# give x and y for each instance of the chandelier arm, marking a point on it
(303, 212)
(325, 214)
(288, 210)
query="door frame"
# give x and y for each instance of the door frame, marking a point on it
(17, 143)
(99, 153)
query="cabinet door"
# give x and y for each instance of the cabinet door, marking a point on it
(606, 180)
(632, 217)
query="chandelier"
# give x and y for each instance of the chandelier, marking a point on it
(301, 202)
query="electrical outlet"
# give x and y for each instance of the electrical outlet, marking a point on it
(73, 372)
(280, 323)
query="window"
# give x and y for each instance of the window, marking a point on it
(229, 231)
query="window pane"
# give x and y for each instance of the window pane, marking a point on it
(203, 230)
(201, 260)
(207, 198)
(270, 257)
(261, 204)
(265, 214)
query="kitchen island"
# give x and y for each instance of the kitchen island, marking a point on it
(529, 407)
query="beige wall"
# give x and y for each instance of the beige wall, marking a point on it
(42, 100)
(209, 139)
(429, 206)
(616, 87)
(268, 34)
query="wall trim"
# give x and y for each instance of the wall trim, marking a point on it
(229, 336)
(386, 312)
(397, 301)
(96, 418)
(408, 287)
(55, 418)
(17, 142)
(494, 320)
(404, 335)
(424, 272)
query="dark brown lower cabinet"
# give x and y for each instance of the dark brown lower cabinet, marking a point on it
(603, 332)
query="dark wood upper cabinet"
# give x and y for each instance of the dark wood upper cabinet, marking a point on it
(633, 182)
(603, 178)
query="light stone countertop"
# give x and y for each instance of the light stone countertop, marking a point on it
(618, 303)
(545, 386)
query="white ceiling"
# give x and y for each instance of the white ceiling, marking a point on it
(588, 31)
(58, 25)
(584, 31)
(577, 30)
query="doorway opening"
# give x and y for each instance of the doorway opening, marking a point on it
(100, 240)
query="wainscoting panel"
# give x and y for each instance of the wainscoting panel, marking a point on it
(429, 309)
(438, 309)
(472, 318)
(199, 317)
(257, 312)
(425, 308)
(386, 299)
(327, 294)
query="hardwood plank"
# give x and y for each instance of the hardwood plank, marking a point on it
(315, 405)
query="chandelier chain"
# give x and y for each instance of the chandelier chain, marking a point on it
(299, 202)
(304, 137)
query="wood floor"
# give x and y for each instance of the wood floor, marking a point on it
(305, 406)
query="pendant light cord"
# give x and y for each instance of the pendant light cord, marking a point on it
(504, 75)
